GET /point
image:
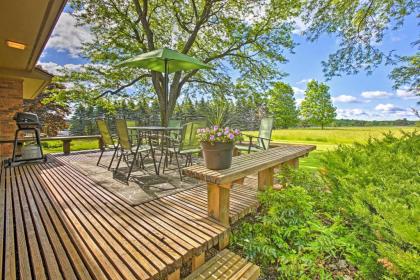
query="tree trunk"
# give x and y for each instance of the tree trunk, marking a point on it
(167, 105)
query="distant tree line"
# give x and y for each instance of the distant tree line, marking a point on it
(243, 112)
(347, 122)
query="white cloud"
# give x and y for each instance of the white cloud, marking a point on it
(67, 36)
(355, 113)
(376, 94)
(388, 108)
(298, 91)
(299, 26)
(304, 81)
(345, 99)
(406, 94)
(55, 69)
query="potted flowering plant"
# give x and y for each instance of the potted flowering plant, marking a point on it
(217, 144)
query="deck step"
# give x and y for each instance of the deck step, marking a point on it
(226, 265)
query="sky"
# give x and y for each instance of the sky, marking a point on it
(361, 96)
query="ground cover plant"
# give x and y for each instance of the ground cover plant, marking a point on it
(358, 216)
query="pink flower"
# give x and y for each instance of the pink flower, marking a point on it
(231, 136)
(211, 137)
(219, 134)
(215, 128)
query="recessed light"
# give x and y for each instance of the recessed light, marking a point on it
(15, 45)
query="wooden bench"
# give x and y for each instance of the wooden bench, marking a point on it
(226, 265)
(65, 139)
(219, 182)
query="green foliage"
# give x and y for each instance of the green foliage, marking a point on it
(358, 216)
(360, 27)
(281, 105)
(249, 36)
(291, 237)
(407, 73)
(317, 106)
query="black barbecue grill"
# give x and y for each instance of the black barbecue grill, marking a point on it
(31, 149)
(27, 120)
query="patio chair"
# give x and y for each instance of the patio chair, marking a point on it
(128, 148)
(107, 140)
(174, 123)
(263, 138)
(132, 133)
(187, 145)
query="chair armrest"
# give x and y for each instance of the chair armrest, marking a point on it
(262, 138)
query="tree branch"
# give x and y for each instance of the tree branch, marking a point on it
(112, 92)
(143, 19)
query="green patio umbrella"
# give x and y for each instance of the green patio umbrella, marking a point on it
(165, 61)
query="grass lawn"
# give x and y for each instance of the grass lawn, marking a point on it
(75, 145)
(329, 138)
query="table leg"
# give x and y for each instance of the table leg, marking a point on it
(218, 202)
(265, 178)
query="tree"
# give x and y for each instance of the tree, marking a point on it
(360, 27)
(51, 114)
(248, 36)
(317, 106)
(281, 104)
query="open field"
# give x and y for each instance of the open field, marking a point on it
(329, 138)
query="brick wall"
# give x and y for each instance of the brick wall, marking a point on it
(11, 101)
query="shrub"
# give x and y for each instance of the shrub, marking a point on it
(359, 212)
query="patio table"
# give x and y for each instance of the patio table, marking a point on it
(163, 130)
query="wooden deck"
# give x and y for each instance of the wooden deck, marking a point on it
(57, 223)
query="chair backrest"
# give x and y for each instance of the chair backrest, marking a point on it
(131, 122)
(174, 123)
(266, 128)
(189, 139)
(105, 132)
(122, 132)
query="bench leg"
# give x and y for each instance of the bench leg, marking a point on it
(294, 163)
(265, 178)
(197, 261)
(176, 275)
(66, 147)
(224, 241)
(218, 202)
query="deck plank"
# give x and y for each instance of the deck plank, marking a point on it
(58, 223)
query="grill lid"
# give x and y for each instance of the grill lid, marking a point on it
(25, 119)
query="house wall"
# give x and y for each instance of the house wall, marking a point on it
(11, 101)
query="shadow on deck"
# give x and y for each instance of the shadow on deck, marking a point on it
(58, 222)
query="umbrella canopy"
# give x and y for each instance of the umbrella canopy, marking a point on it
(155, 60)
(165, 61)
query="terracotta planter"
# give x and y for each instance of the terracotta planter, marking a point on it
(217, 156)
